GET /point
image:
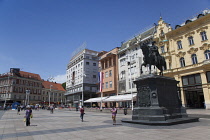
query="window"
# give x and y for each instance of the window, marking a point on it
(110, 73)
(94, 76)
(203, 36)
(208, 76)
(190, 39)
(106, 85)
(110, 84)
(87, 63)
(207, 54)
(122, 62)
(122, 75)
(179, 44)
(191, 79)
(132, 70)
(194, 59)
(106, 74)
(162, 49)
(182, 62)
(87, 57)
(94, 64)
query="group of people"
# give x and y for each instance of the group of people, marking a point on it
(28, 114)
(113, 111)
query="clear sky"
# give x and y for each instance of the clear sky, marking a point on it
(39, 36)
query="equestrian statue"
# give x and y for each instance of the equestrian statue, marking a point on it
(152, 57)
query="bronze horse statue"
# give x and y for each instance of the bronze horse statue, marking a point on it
(152, 57)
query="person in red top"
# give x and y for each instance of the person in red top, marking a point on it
(82, 112)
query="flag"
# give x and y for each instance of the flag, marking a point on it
(100, 79)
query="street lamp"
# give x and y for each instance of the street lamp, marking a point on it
(49, 94)
(129, 63)
(51, 78)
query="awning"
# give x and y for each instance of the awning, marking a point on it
(98, 99)
(120, 98)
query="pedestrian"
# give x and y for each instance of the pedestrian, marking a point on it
(18, 110)
(82, 112)
(51, 109)
(28, 115)
(114, 113)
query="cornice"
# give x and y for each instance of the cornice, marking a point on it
(178, 38)
(190, 34)
(202, 29)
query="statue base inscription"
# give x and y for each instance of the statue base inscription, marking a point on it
(158, 102)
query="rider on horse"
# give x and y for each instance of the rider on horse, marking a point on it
(153, 53)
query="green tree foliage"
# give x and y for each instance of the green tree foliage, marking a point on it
(64, 85)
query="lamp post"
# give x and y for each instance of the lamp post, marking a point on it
(129, 63)
(51, 78)
(49, 94)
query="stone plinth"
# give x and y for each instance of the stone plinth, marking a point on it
(158, 102)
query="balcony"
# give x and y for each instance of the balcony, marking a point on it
(205, 62)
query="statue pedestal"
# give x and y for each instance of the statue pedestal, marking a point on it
(158, 102)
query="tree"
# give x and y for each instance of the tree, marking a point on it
(64, 85)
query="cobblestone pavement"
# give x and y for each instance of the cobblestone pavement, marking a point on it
(66, 125)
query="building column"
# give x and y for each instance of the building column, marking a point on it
(183, 97)
(206, 91)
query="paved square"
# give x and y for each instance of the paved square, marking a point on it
(66, 125)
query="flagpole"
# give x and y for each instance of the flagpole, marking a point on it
(101, 101)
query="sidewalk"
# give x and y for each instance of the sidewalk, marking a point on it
(66, 125)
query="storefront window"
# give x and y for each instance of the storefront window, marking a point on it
(185, 80)
(192, 79)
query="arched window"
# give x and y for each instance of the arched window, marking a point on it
(207, 54)
(182, 62)
(194, 59)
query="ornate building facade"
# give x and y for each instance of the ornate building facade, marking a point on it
(187, 53)
(129, 63)
(14, 84)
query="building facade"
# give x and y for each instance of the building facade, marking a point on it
(14, 84)
(108, 65)
(187, 53)
(130, 59)
(82, 77)
(53, 93)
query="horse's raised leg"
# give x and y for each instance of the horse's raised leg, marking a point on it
(141, 69)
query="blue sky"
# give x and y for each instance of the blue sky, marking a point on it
(39, 36)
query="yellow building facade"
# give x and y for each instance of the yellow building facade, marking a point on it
(187, 53)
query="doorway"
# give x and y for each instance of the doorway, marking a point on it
(194, 99)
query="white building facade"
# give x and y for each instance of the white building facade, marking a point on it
(130, 58)
(82, 77)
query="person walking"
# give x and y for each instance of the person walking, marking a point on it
(114, 113)
(51, 109)
(28, 115)
(82, 112)
(18, 110)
